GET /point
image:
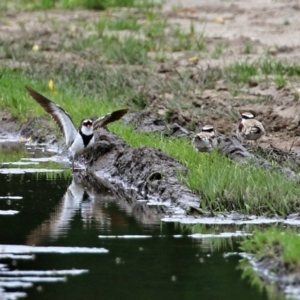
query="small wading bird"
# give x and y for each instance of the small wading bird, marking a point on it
(205, 140)
(79, 140)
(249, 128)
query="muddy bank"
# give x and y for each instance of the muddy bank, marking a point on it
(288, 162)
(277, 275)
(38, 129)
(145, 177)
(272, 266)
(138, 174)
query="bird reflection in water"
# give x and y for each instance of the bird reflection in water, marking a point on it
(77, 200)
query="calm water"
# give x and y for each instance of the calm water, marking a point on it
(154, 261)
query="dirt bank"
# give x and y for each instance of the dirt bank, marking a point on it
(144, 174)
(132, 174)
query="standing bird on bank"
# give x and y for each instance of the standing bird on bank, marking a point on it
(249, 128)
(205, 140)
(79, 140)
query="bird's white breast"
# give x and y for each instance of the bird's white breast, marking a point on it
(203, 144)
(78, 146)
(87, 130)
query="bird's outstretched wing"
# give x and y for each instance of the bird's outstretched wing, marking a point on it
(60, 116)
(111, 117)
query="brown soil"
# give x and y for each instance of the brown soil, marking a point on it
(264, 25)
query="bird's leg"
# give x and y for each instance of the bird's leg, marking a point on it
(257, 144)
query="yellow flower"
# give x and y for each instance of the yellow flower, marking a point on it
(74, 31)
(35, 48)
(51, 84)
(194, 58)
(219, 20)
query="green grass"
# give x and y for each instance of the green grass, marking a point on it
(121, 40)
(72, 4)
(248, 48)
(218, 51)
(243, 72)
(278, 243)
(124, 23)
(129, 50)
(188, 40)
(110, 88)
(18, 102)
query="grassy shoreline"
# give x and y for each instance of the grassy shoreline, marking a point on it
(216, 177)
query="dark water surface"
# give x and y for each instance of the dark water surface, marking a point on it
(154, 261)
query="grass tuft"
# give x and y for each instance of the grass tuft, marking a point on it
(276, 243)
(109, 23)
(127, 51)
(243, 72)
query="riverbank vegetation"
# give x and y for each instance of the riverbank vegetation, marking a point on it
(224, 184)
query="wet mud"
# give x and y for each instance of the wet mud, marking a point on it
(138, 174)
(281, 278)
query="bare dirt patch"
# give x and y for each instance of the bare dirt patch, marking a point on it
(256, 27)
